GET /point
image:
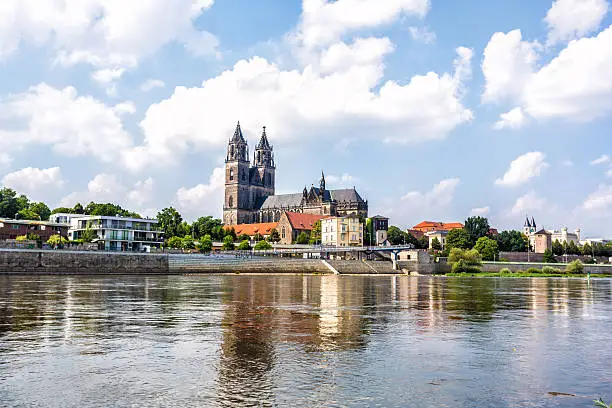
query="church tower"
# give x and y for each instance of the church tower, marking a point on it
(263, 161)
(237, 206)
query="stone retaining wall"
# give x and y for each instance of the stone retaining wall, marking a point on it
(517, 266)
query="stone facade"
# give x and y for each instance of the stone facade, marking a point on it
(292, 224)
(250, 189)
(542, 241)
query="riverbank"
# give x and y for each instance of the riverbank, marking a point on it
(527, 275)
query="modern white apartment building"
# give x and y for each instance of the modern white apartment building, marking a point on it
(341, 231)
(114, 233)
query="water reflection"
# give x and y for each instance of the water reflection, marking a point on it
(301, 340)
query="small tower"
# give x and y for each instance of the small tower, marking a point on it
(236, 207)
(322, 184)
(527, 226)
(264, 162)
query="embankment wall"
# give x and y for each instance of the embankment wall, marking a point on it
(523, 266)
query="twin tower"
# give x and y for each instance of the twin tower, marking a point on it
(247, 185)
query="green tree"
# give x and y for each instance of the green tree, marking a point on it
(476, 227)
(174, 242)
(57, 241)
(457, 238)
(244, 245)
(8, 203)
(207, 226)
(244, 237)
(302, 239)
(557, 248)
(511, 241)
(369, 238)
(465, 260)
(274, 236)
(423, 243)
(187, 242)
(262, 246)
(78, 209)
(315, 234)
(109, 210)
(206, 244)
(230, 232)
(88, 235)
(170, 222)
(228, 243)
(572, 248)
(575, 267)
(41, 209)
(435, 244)
(586, 249)
(63, 210)
(258, 237)
(549, 257)
(487, 248)
(27, 214)
(396, 236)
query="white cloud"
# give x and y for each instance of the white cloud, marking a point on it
(575, 85)
(343, 57)
(344, 178)
(480, 212)
(151, 84)
(73, 125)
(5, 159)
(324, 22)
(104, 33)
(511, 120)
(106, 187)
(507, 66)
(571, 19)
(299, 103)
(522, 169)
(609, 173)
(203, 198)
(567, 163)
(34, 181)
(599, 201)
(422, 34)
(440, 196)
(603, 159)
(528, 202)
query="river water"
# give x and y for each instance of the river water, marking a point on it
(304, 341)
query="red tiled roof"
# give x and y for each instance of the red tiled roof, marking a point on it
(252, 229)
(416, 233)
(303, 221)
(426, 226)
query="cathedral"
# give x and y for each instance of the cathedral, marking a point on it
(249, 189)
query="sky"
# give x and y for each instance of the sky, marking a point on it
(432, 109)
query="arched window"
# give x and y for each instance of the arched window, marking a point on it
(231, 201)
(231, 151)
(283, 233)
(231, 174)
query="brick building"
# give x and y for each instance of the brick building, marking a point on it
(11, 229)
(292, 224)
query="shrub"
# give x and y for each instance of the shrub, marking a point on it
(262, 246)
(550, 269)
(228, 243)
(465, 261)
(533, 270)
(174, 242)
(575, 267)
(505, 271)
(503, 260)
(206, 244)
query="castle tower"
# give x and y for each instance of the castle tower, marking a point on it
(266, 169)
(237, 206)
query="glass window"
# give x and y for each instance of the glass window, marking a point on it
(231, 174)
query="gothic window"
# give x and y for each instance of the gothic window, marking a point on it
(283, 233)
(231, 151)
(231, 201)
(231, 174)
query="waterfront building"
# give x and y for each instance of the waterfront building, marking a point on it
(264, 229)
(292, 224)
(250, 189)
(380, 228)
(428, 226)
(439, 234)
(563, 235)
(11, 229)
(114, 233)
(342, 231)
(542, 240)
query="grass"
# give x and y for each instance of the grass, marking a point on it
(526, 274)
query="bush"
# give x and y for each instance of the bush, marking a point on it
(206, 244)
(505, 271)
(550, 269)
(465, 261)
(262, 246)
(575, 267)
(174, 242)
(228, 243)
(533, 270)
(503, 260)
(244, 246)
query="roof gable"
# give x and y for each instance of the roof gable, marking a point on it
(302, 221)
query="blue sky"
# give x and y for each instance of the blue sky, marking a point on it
(432, 109)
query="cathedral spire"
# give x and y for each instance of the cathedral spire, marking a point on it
(527, 222)
(237, 138)
(264, 155)
(322, 183)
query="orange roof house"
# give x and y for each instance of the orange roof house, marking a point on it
(292, 224)
(253, 229)
(427, 226)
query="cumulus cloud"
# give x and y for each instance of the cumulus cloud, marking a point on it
(511, 120)
(106, 187)
(603, 159)
(34, 181)
(104, 33)
(344, 178)
(600, 200)
(575, 85)
(430, 203)
(73, 125)
(480, 212)
(571, 19)
(151, 84)
(522, 169)
(529, 202)
(203, 198)
(324, 21)
(295, 104)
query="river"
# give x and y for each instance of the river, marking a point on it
(304, 341)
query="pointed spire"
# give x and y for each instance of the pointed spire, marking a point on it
(263, 141)
(238, 134)
(527, 222)
(533, 224)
